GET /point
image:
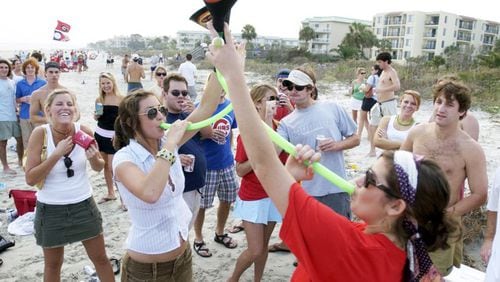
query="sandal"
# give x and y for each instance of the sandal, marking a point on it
(236, 229)
(201, 249)
(225, 240)
(115, 265)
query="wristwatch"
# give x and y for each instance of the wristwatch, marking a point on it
(167, 155)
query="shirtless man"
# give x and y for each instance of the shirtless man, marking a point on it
(387, 85)
(124, 66)
(460, 157)
(134, 73)
(52, 73)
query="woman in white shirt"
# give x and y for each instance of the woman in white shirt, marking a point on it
(392, 130)
(151, 182)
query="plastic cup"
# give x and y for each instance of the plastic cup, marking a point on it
(83, 139)
(319, 140)
(99, 109)
(190, 168)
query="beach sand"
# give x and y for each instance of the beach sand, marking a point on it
(24, 261)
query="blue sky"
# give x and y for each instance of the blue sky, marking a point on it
(31, 26)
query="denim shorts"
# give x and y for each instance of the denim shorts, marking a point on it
(59, 225)
(180, 269)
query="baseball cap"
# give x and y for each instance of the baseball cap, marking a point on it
(283, 73)
(299, 78)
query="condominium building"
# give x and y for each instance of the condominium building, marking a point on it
(415, 33)
(190, 39)
(329, 32)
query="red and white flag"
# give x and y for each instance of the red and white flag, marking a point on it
(60, 36)
(61, 26)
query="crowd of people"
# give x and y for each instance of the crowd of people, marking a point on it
(408, 205)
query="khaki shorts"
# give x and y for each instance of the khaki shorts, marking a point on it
(384, 109)
(26, 129)
(444, 260)
(9, 129)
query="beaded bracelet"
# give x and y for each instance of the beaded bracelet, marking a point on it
(167, 155)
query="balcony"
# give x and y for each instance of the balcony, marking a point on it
(466, 38)
(491, 29)
(490, 40)
(393, 20)
(430, 33)
(465, 25)
(322, 30)
(432, 20)
(320, 40)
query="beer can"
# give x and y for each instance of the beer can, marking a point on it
(319, 139)
(190, 168)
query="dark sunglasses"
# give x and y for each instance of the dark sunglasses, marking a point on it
(161, 74)
(362, 73)
(68, 163)
(370, 179)
(176, 93)
(273, 98)
(289, 85)
(153, 112)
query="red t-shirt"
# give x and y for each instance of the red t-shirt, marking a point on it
(331, 248)
(250, 187)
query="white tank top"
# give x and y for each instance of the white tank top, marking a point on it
(59, 189)
(394, 134)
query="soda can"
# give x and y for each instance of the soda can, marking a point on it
(99, 109)
(190, 168)
(319, 139)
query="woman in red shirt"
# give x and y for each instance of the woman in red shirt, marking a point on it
(253, 206)
(400, 200)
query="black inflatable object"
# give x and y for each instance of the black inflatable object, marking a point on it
(217, 11)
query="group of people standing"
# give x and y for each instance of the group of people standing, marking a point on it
(410, 201)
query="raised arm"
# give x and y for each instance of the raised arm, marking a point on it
(259, 148)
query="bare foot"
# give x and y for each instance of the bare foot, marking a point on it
(371, 154)
(9, 171)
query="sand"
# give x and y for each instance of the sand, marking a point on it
(24, 262)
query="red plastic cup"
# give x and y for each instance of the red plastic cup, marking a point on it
(83, 139)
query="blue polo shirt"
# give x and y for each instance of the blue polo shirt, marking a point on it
(196, 178)
(23, 88)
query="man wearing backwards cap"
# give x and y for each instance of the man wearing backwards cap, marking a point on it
(52, 74)
(311, 119)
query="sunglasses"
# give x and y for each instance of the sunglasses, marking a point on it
(68, 163)
(273, 98)
(153, 112)
(289, 85)
(161, 74)
(362, 73)
(176, 93)
(371, 179)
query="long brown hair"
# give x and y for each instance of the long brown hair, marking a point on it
(127, 124)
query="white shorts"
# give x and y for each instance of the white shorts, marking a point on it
(259, 211)
(380, 110)
(356, 104)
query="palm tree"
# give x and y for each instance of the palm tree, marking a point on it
(360, 37)
(248, 33)
(307, 34)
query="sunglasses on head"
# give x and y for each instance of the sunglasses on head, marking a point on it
(176, 93)
(153, 112)
(161, 74)
(68, 163)
(289, 85)
(371, 179)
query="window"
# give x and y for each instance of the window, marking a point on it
(455, 34)
(442, 44)
(316, 25)
(445, 19)
(379, 30)
(410, 18)
(378, 19)
(407, 54)
(444, 31)
(408, 42)
(409, 30)
(473, 36)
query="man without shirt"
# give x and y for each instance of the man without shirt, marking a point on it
(52, 74)
(458, 155)
(388, 84)
(134, 74)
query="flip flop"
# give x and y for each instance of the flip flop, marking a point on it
(274, 248)
(115, 264)
(106, 199)
(236, 229)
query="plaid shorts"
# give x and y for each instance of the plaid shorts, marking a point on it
(224, 182)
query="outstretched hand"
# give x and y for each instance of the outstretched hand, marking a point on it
(228, 58)
(296, 166)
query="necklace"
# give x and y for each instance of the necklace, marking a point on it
(65, 134)
(404, 123)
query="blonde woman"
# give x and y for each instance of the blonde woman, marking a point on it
(65, 209)
(159, 73)
(106, 112)
(392, 130)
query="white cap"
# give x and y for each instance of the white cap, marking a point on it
(299, 78)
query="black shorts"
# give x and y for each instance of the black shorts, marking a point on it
(368, 104)
(105, 144)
